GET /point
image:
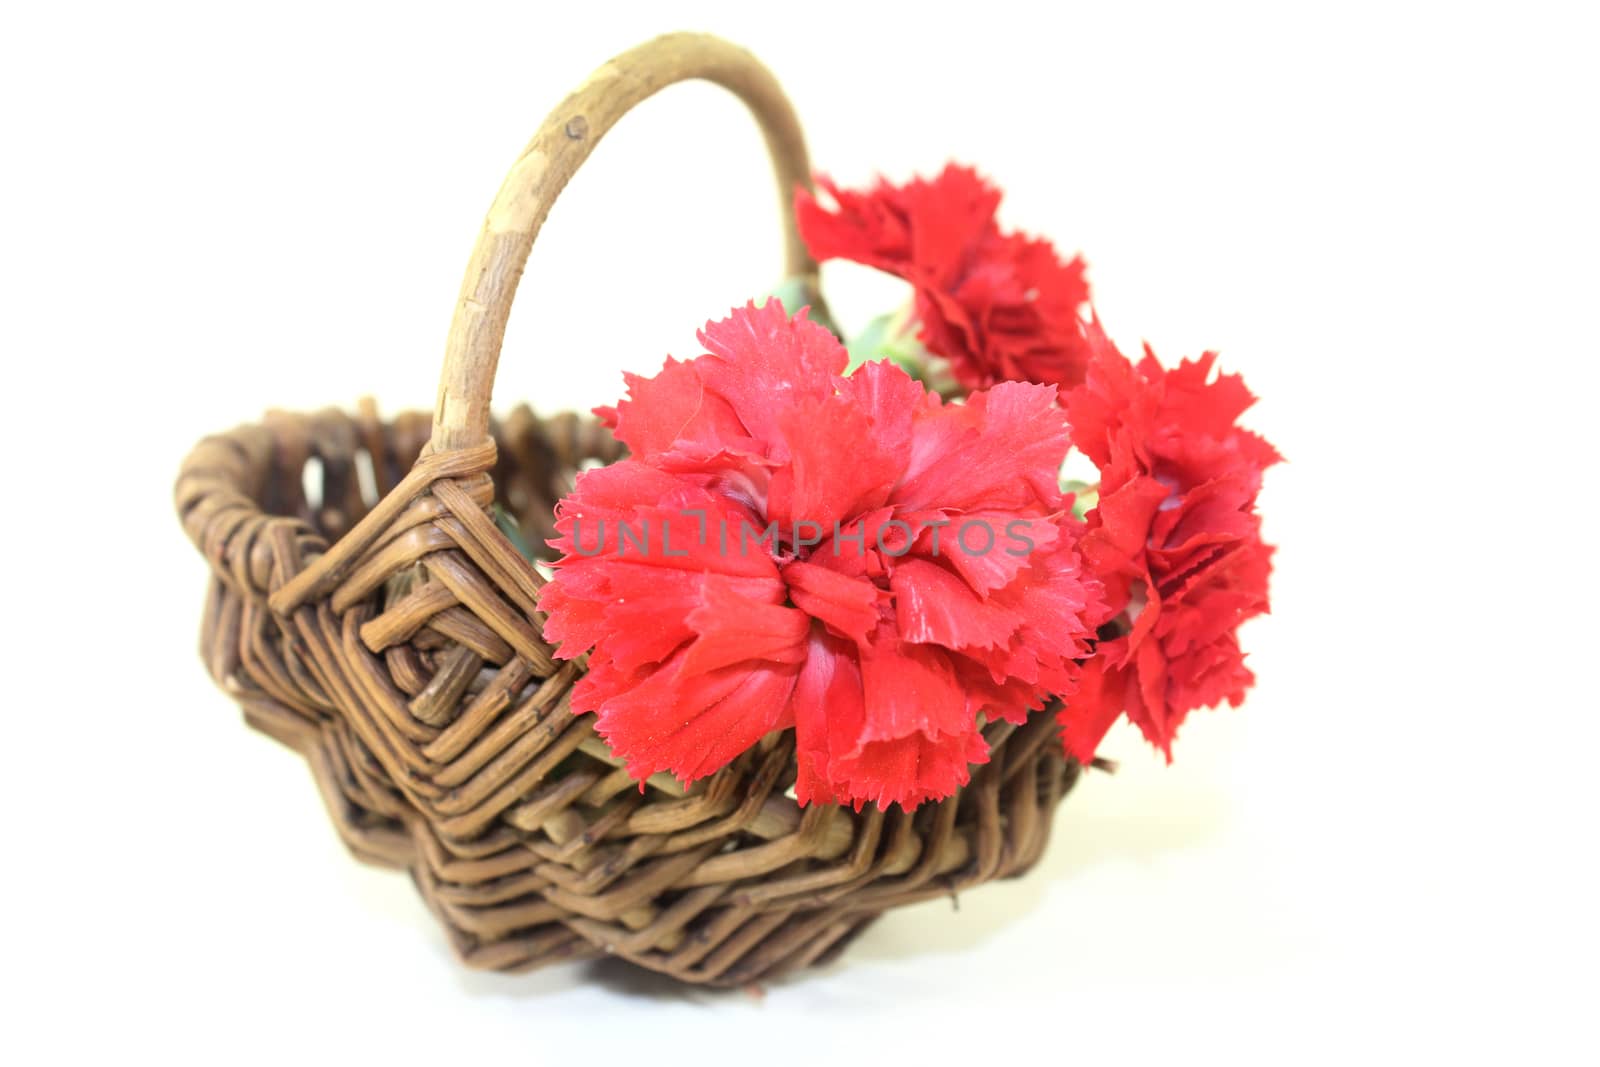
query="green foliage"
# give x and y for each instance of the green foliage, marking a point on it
(1085, 495)
(508, 525)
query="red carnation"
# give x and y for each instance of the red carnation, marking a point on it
(790, 547)
(1175, 539)
(999, 306)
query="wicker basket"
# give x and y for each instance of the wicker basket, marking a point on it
(389, 631)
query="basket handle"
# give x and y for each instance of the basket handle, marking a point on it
(569, 134)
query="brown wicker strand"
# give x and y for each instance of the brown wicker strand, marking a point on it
(461, 416)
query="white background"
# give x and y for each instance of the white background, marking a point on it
(1384, 216)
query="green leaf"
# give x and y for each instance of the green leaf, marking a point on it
(1086, 495)
(871, 343)
(890, 337)
(796, 293)
(508, 525)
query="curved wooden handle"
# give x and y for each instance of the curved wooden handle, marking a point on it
(569, 134)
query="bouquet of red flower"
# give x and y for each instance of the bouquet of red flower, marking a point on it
(879, 553)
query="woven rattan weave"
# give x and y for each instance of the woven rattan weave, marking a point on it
(371, 614)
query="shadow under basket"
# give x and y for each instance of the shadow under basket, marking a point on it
(366, 609)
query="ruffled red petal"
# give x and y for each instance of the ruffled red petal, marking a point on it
(731, 627)
(694, 724)
(1175, 539)
(848, 606)
(770, 556)
(1002, 449)
(763, 362)
(835, 471)
(999, 306)
(934, 606)
(1088, 715)
(909, 770)
(674, 410)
